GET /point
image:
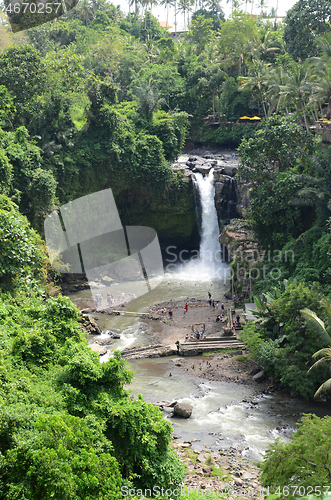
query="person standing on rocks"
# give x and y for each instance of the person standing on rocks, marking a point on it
(185, 308)
(170, 314)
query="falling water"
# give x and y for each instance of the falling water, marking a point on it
(208, 264)
(210, 248)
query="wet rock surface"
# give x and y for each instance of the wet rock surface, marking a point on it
(89, 325)
(183, 410)
(98, 348)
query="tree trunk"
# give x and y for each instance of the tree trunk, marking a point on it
(214, 107)
(175, 19)
(304, 115)
(262, 101)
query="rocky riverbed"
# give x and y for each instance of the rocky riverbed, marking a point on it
(211, 473)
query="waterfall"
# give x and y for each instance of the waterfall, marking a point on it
(208, 263)
(210, 248)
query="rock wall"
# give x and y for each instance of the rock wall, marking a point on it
(173, 217)
(231, 200)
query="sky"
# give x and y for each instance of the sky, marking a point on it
(161, 12)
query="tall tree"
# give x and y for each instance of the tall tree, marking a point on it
(298, 87)
(256, 79)
(305, 20)
(168, 3)
(184, 6)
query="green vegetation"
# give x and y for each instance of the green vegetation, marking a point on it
(99, 99)
(68, 428)
(304, 461)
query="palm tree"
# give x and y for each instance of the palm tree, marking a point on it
(148, 99)
(85, 12)
(257, 78)
(168, 3)
(184, 6)
(151, 3)
(262, 4)
(268, 45)
(275, 81)
(298, 87)
(323, 356)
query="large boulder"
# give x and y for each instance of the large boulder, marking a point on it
(261, 375)
(98, 348)
(183, 410)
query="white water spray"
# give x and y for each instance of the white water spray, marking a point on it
(208, 264)
(210, 248)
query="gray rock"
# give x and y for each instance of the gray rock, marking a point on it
(206, 469)
(248, 475)
(106, 280)
(97, 348)
(260, 376)
(183, 410)
(103, 342)
(184, 445)
(89, 325)
(203, 169)
(231, 171)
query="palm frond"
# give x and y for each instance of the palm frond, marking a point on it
(302, 202)
(316, 325)
(323, 389)
(327, 307)
(321, 362)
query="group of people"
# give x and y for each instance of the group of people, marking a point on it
(214, 303)
(198, 336)
(110, 298)
(220, 317)
(163, 312)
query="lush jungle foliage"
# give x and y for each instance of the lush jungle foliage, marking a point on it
(100, 99)
(68, 428)
(303, 463)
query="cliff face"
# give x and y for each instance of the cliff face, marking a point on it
(173, 216)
